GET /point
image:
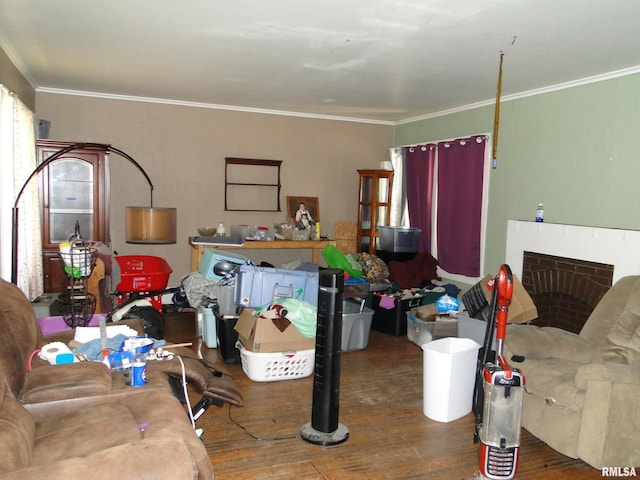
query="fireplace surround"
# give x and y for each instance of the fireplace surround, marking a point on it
(567, 268)
(564, 290)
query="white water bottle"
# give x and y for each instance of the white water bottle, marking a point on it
(540, 213)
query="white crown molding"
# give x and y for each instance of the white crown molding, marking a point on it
(130, 98)
(484, 103)
(529, 93)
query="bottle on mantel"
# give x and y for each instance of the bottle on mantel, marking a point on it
(540, 213)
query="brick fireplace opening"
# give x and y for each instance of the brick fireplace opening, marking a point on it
(564, 290)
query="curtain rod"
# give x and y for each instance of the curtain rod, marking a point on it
(436, 142)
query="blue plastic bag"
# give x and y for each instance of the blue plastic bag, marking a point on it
(447, 304)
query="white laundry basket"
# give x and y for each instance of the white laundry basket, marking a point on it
(449, 374)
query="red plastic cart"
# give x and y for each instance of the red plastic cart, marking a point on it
(144, 276)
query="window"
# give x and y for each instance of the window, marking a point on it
(17, 160)
(446, 193)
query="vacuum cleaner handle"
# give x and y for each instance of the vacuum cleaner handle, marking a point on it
(504, 288)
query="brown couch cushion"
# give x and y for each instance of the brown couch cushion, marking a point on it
(17, 430)
(73, 380)
(534, 342)
(19, 337)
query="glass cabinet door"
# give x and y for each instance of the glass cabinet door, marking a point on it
(373, 206)
(73, 188)
(366, 190)
(71, 192)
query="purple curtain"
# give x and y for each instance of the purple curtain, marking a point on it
(419, 165)
(460, 179)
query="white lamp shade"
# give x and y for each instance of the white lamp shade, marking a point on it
(150, 225)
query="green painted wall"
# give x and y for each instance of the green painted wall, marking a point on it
(575, 150)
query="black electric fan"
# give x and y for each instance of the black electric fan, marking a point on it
(324, 428)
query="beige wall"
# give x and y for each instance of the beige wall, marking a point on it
(182, 148)
(11, 78)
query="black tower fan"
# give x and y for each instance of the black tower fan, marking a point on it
(324, 428)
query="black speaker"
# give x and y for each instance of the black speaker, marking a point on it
(324, 428)
(43, 128)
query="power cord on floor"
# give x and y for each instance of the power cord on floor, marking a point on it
(186, 394)
(255, 437)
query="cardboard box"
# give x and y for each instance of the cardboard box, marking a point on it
(478, 302)
(260, 335)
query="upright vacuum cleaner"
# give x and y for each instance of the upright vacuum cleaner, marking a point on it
(498, 392)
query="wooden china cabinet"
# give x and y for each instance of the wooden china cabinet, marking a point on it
(73, 188)
(374, 206)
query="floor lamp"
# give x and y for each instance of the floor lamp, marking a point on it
(151, 225)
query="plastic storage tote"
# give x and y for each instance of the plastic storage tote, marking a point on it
(399, 239)
(393, 321)
(261, 286)
(356, 326)
(424, 331)
(449, 375)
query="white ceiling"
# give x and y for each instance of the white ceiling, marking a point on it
(377, 60)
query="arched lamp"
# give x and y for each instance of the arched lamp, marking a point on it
(150, 225)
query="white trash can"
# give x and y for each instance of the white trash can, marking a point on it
(449, 375)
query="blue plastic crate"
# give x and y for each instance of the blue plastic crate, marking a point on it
(261, 286)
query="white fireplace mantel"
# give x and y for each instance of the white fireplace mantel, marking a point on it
(620, 248)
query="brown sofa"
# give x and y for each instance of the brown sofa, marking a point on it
(582, 391)
(82, 418)
(101, 441)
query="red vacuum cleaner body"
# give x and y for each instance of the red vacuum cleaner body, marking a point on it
(498, 421)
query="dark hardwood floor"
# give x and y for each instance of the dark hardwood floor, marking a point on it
(380, 404)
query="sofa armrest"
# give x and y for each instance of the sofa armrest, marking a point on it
(610, 418)
(206, 378)
(531, 341)
(61, 382)
(607, 372)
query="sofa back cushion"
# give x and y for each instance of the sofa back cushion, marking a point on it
(17, 432)
(621, 297)
(19, 335)
(622, 343)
